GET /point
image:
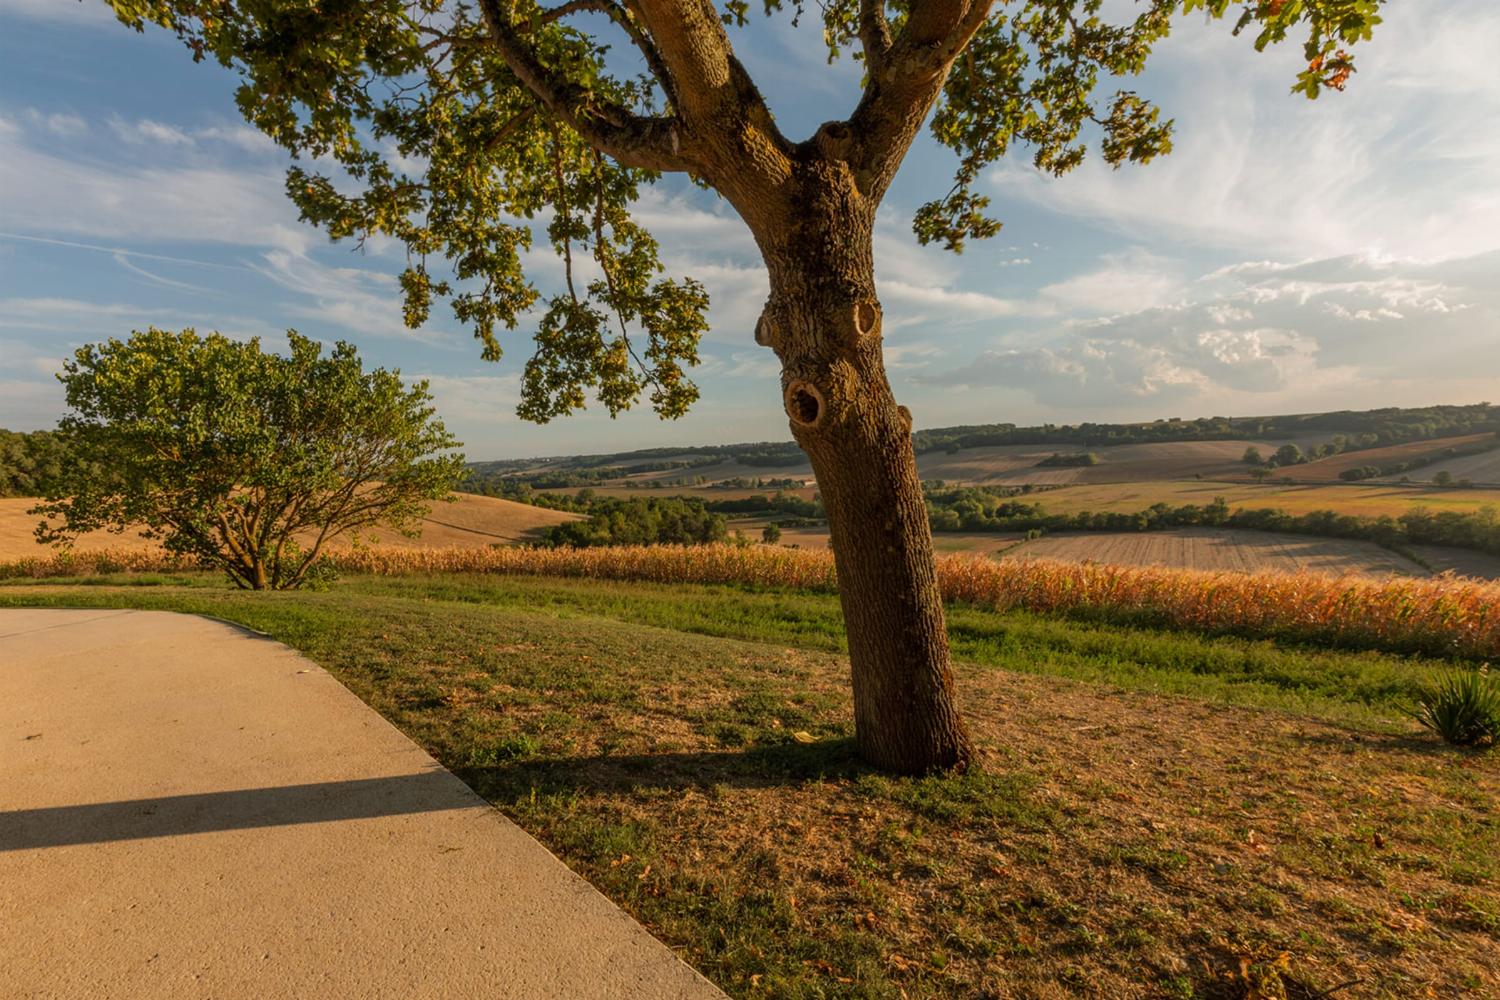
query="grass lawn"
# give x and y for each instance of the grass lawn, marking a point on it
(1160, 814)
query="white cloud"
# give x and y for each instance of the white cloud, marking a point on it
(148, 132)
(123, 259)
(367, 302)
(1361, 315)
(473, 400)
(248, 139)
(59, 123)
(1266, 335)
(18, 358)
(80, 321)
(965, 304)
(1128, 281)
(899, 357)
(29, 404)
(758, 363)
(1401, 162)
(57, 196)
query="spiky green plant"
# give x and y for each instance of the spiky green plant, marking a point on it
(1463, 707)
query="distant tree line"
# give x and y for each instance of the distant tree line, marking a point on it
(1079, 460)
(641, 521)
(978, 510)
(31, 462)
(778, 503)
(1359, 429)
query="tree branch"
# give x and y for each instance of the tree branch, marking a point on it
(740, 149)
(627, 23)
(691, 41)
(874, 33)
(632, 140)
(902, 91)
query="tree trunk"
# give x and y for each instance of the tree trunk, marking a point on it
(823, 321)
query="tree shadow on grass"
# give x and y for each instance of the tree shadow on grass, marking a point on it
(764, 766)
(1422, 744)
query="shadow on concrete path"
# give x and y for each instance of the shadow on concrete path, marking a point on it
(245, 809)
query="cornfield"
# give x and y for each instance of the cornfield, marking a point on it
(1445, 616)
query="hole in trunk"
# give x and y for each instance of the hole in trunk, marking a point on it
(804, 403)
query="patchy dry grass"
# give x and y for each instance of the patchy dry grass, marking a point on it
(1116, 844)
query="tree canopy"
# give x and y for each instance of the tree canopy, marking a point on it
(462, 128)
(245, 460)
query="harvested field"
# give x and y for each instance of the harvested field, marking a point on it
(1221, 549)
(1483, 469)
(1017, 464)
(1370, 500)
(1328, 469)
(731, 470)
(707, 492)
(976, 543)
(470, 521)
(1461, 562)
(474, 522)
(18, 542)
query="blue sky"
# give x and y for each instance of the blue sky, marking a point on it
(1288, 256)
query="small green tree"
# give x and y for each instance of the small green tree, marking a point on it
(1442, 478)
(1252, 456)
(771, 535)
(1290, 454)
(248, 461)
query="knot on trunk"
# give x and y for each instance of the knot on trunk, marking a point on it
(905, 417)
(805, 404)
(832, 140)
(865, 317)
(765, 332)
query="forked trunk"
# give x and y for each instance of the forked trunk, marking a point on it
(824, 322)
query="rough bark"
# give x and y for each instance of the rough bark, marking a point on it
(823, 321)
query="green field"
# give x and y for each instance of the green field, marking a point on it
(1158, 815)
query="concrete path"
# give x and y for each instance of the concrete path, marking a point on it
(191, 810)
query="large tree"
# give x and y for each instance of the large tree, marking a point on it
(245, 460)
(454, 123)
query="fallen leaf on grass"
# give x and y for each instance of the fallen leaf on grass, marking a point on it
(803, 736)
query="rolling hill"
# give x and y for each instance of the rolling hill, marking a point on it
(469, 522)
